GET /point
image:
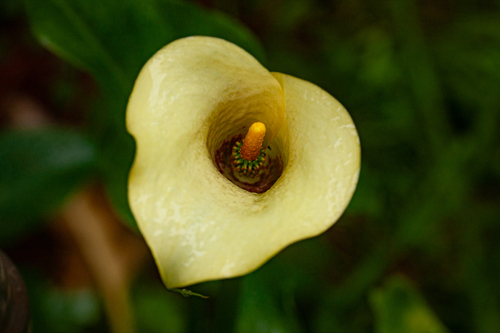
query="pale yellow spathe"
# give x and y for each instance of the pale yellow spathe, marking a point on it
(191, 96)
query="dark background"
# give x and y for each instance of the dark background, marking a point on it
(417, 249)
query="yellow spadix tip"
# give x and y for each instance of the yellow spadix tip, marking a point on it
(253, 141)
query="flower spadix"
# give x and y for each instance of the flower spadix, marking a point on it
(199, 107)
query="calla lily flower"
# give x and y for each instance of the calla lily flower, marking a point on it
(190, 112)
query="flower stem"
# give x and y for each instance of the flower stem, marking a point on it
(227, 306)
(87, 224)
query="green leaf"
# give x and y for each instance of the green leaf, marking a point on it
(115, 156)
(157, 310)
(399, 308)
(112, 40)
(267, 302)
(39, 169)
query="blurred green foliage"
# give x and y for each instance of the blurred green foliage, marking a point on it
(421, 80)
(157, 310)
(39, 170)
(59, 311)
(398, 307)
